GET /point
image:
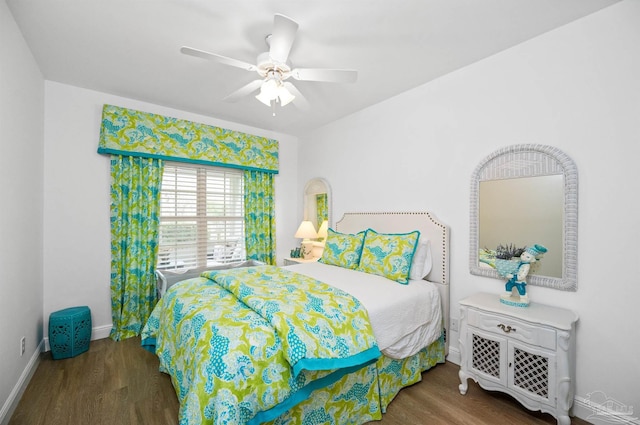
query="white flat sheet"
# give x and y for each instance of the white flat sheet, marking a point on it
(405, 318)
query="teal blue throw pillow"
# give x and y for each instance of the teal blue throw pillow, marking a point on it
(342, 249)
(389, 255)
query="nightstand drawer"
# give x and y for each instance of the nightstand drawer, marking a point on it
(516, 329)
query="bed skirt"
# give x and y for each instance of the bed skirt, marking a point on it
(363, 396)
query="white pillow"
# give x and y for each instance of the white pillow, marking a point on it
(422, 262)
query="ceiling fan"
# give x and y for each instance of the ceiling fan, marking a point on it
(274, 69)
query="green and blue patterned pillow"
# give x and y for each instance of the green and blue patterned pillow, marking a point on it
(342, 249)
(389, 255)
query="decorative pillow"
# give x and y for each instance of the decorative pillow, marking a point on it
(342, 249)
(389, 255)
(422, 262)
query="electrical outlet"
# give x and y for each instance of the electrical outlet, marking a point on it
(23, 346)
(454, 325)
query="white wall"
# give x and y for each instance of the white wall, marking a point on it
(76, 201)
(576, 88)
(21, 143)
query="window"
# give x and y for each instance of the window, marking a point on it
(201, 217)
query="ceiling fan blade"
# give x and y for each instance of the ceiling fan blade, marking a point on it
(300, 101)
(327, 75)
(217, 58)
(284, 32)
(243, 91)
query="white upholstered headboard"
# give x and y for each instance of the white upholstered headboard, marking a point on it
(403, 222)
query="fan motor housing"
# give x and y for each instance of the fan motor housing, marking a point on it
(266, 65)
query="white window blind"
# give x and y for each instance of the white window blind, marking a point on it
(201, 217)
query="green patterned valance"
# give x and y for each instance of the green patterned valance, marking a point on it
(134, 133)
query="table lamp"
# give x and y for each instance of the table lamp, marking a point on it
(323, 230)
(318, 246)
(306, 231)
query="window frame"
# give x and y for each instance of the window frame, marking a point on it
(208, 252)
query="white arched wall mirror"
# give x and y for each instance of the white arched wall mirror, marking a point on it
(522, 195)
(317, 202)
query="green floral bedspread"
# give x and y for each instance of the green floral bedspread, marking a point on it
(245, 345)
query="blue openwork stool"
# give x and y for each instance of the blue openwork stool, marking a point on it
(69, 332)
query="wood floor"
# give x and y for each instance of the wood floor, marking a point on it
(118, 383)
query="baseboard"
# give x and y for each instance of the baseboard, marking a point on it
(10, 405)
(15, 395)
(454, 355)
(599, 414)
(98, 332)
(101, 332)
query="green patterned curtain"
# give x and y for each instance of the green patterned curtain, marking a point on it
(259, 212)
(323, 209)
(135, 206)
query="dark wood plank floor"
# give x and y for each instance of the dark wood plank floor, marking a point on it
(118, 383)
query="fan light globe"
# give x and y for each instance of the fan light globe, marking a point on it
(269, 88)
(272, 89)
(268, 91)
(285, 96)
(264, 99)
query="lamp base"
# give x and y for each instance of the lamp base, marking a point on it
(307, 250)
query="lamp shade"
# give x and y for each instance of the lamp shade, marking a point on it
(268, 91)
(285, 96)
(306, 231)
(264, 99)
(323, 230)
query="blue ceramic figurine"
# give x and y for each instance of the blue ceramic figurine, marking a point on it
(517, 279)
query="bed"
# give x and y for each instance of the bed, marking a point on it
(309, 343)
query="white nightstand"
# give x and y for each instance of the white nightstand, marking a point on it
(527, 352)
(290, 261)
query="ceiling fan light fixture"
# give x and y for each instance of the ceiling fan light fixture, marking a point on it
(264, 99)
(270, 88)
(268, 91)
(273, 89)
(285, 96)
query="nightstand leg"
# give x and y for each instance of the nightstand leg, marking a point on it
(464, 385)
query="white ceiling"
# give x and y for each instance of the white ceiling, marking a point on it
(131, 48)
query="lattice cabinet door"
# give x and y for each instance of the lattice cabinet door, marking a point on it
(488, 356)
(532, 372)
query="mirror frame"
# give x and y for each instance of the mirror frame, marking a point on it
(310, 184)
(530, 160)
